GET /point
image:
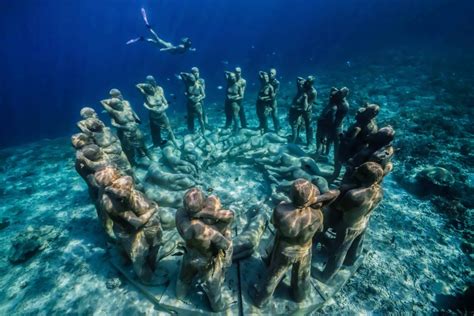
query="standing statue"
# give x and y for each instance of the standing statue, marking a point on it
(103, 137)
(125, 120)
(136, 222)
(295, 224)
(302, 107)
(156, 104)
(266, 96)
(349, 217)
(233, 98)
(355, 138)
(195, 93)
(243, 84)
(276, 88)
(205, 229)
(330, 121)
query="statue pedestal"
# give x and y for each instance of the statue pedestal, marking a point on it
(240, 277)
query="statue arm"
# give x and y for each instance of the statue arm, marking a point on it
(137, 221)
(140, 87)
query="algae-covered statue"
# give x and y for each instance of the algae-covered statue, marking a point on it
(355, 138)
(233, 99)
(377, 149)
(205, 227)
(103, 137)
(156, 104)
(243, 84)
(349, 215)
(195, 94)
(136, 221)
(265, 99)
(272, 74)
(295, 224)
(302, 108)
(125, 120)
(330, 121)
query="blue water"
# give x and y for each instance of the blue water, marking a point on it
(57, 56)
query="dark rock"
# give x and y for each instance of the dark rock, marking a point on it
(28, 243)
(4, 223)
(113, 283)
(434, 180)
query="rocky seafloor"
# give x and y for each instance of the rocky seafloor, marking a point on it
(420, 239)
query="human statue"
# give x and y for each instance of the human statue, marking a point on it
(181, 48)
(205, 228)
(295, 223)
(172, 159)
(125, 120)
(330, 121)
(355, 138)
(266, 96)
(375, 143)
(276, 88)
(103, 137)
(136, 221)
(170, 181)
(195, 94)
(349, 215)
(156, 104)
(243, 84)
(233, 97)
(302, 107)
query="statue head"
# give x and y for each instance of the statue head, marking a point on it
(193, 200)
(272, 73)
(302, 192)
(367, 113)
(383, 155)
(308, 83)
(231, 77)
(195, 72)
(87, 112)
(151, 80)
(264, 78)
(94, 125)
(107, 176)
(116, 103)
(121, 188)
(80, 140)
(213, 203)
(382, 137)
(369, 173)
(92, 152)
(238, 72)
(115, 93)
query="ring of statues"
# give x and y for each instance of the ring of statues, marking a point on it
(167, 210)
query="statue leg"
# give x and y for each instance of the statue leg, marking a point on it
(309, 129)
(276, 121)
(228, 114)
(190, 118)
(355, 250)
(185, 277)
(138, 249)
(235, 115)
(243, 119)
(300, 277)
(261, 116)
(293, 118)
(155, 132)
(200, 116)
(213, 288)
(278, 267)
(344, 239)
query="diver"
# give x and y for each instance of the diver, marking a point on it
(181, 48)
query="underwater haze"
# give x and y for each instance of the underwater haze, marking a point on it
(411, 62)
(57, 56)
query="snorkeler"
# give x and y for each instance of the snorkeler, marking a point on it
(181, 48)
